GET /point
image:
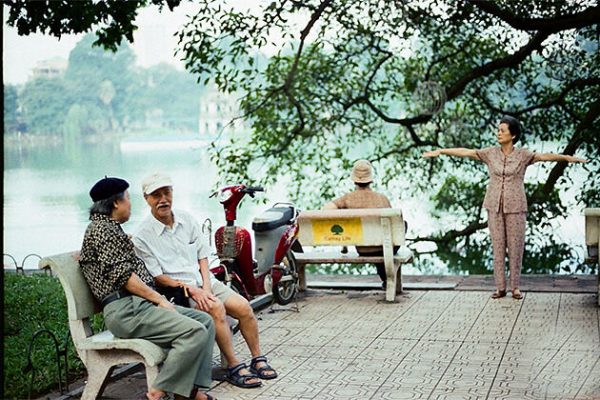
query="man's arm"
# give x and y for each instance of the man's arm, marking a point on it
(136, 286)
(205, 273)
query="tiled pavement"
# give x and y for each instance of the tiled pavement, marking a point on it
(431, 344)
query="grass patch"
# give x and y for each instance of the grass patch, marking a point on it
(32, 303)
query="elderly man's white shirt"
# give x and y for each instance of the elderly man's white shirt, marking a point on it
(172, 251)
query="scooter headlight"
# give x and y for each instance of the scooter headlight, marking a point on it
(225, 195)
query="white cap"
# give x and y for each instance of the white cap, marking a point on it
(155, 181)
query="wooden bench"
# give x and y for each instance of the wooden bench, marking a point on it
(354, 227)
(100, 352)
(592, 238)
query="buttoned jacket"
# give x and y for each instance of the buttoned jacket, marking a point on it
(506, 189)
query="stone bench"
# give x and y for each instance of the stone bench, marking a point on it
(354, 227)
(592, 238)
(100, 352)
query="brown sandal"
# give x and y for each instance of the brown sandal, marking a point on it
(517, 296)
(498, 294)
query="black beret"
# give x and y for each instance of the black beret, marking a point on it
(107, 187)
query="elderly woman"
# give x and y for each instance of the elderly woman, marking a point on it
(505, 197)
(133, 309)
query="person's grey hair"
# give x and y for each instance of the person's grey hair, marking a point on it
(107, 205)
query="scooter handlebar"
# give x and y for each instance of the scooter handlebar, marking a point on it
(252, 189)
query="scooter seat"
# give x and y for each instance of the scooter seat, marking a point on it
(273, 218)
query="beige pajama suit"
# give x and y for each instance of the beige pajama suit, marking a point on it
(507, 209)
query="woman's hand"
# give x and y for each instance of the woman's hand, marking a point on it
(572, 159)
(431, 154)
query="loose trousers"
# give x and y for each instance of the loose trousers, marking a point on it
(188, 335)
(507, 231)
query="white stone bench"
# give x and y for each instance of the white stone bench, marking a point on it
(100, 352)
(592, 238)
(354, 227)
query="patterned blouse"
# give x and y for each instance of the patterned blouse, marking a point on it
(507, 175)
(107, 257)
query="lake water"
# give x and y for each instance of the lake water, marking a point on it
(46, 197)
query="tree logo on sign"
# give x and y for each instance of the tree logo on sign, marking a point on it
(337, 229)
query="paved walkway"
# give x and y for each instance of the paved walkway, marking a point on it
(431, 344)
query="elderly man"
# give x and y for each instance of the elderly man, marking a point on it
(132, 308)
(364, 197)
(172, 246)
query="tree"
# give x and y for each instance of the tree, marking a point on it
(347, 79)
(175, 93)
(44, 103)
(93, 73)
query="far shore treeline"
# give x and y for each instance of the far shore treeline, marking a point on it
(102, 92)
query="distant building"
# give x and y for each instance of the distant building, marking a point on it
(52, 68)
(217, 110)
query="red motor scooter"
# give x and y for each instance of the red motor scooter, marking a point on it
(275, 232)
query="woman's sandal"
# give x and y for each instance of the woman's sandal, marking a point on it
(517, 295)
(236, 378)
(265, 368)
(498, 294)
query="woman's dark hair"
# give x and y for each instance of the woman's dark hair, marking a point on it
(107, 205)
(363, 184)
(514, 127)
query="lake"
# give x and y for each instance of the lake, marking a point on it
(46, 196)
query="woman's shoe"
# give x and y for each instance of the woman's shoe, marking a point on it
(498, 294)
(516, 294)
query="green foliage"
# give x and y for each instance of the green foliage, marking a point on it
(43, 105)
(459, 197)
(32, 303)
(345, 81)
(104, 92)
(105, 82)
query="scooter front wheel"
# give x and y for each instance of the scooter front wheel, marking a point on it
(285, 289)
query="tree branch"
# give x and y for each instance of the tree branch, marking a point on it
(587, 17)
(453, 234)
(576, 140)
(511, 60)
(558, 100)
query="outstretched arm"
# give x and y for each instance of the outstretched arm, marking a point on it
(557, 157)
(457, 152)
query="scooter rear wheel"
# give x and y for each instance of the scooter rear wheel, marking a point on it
(285, 290)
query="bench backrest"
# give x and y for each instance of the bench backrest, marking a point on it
(592, 226)
(361, 226)
(81, 304)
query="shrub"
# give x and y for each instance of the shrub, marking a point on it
(31, 303)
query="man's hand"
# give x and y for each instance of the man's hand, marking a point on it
(164, 303)
(204, 300)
